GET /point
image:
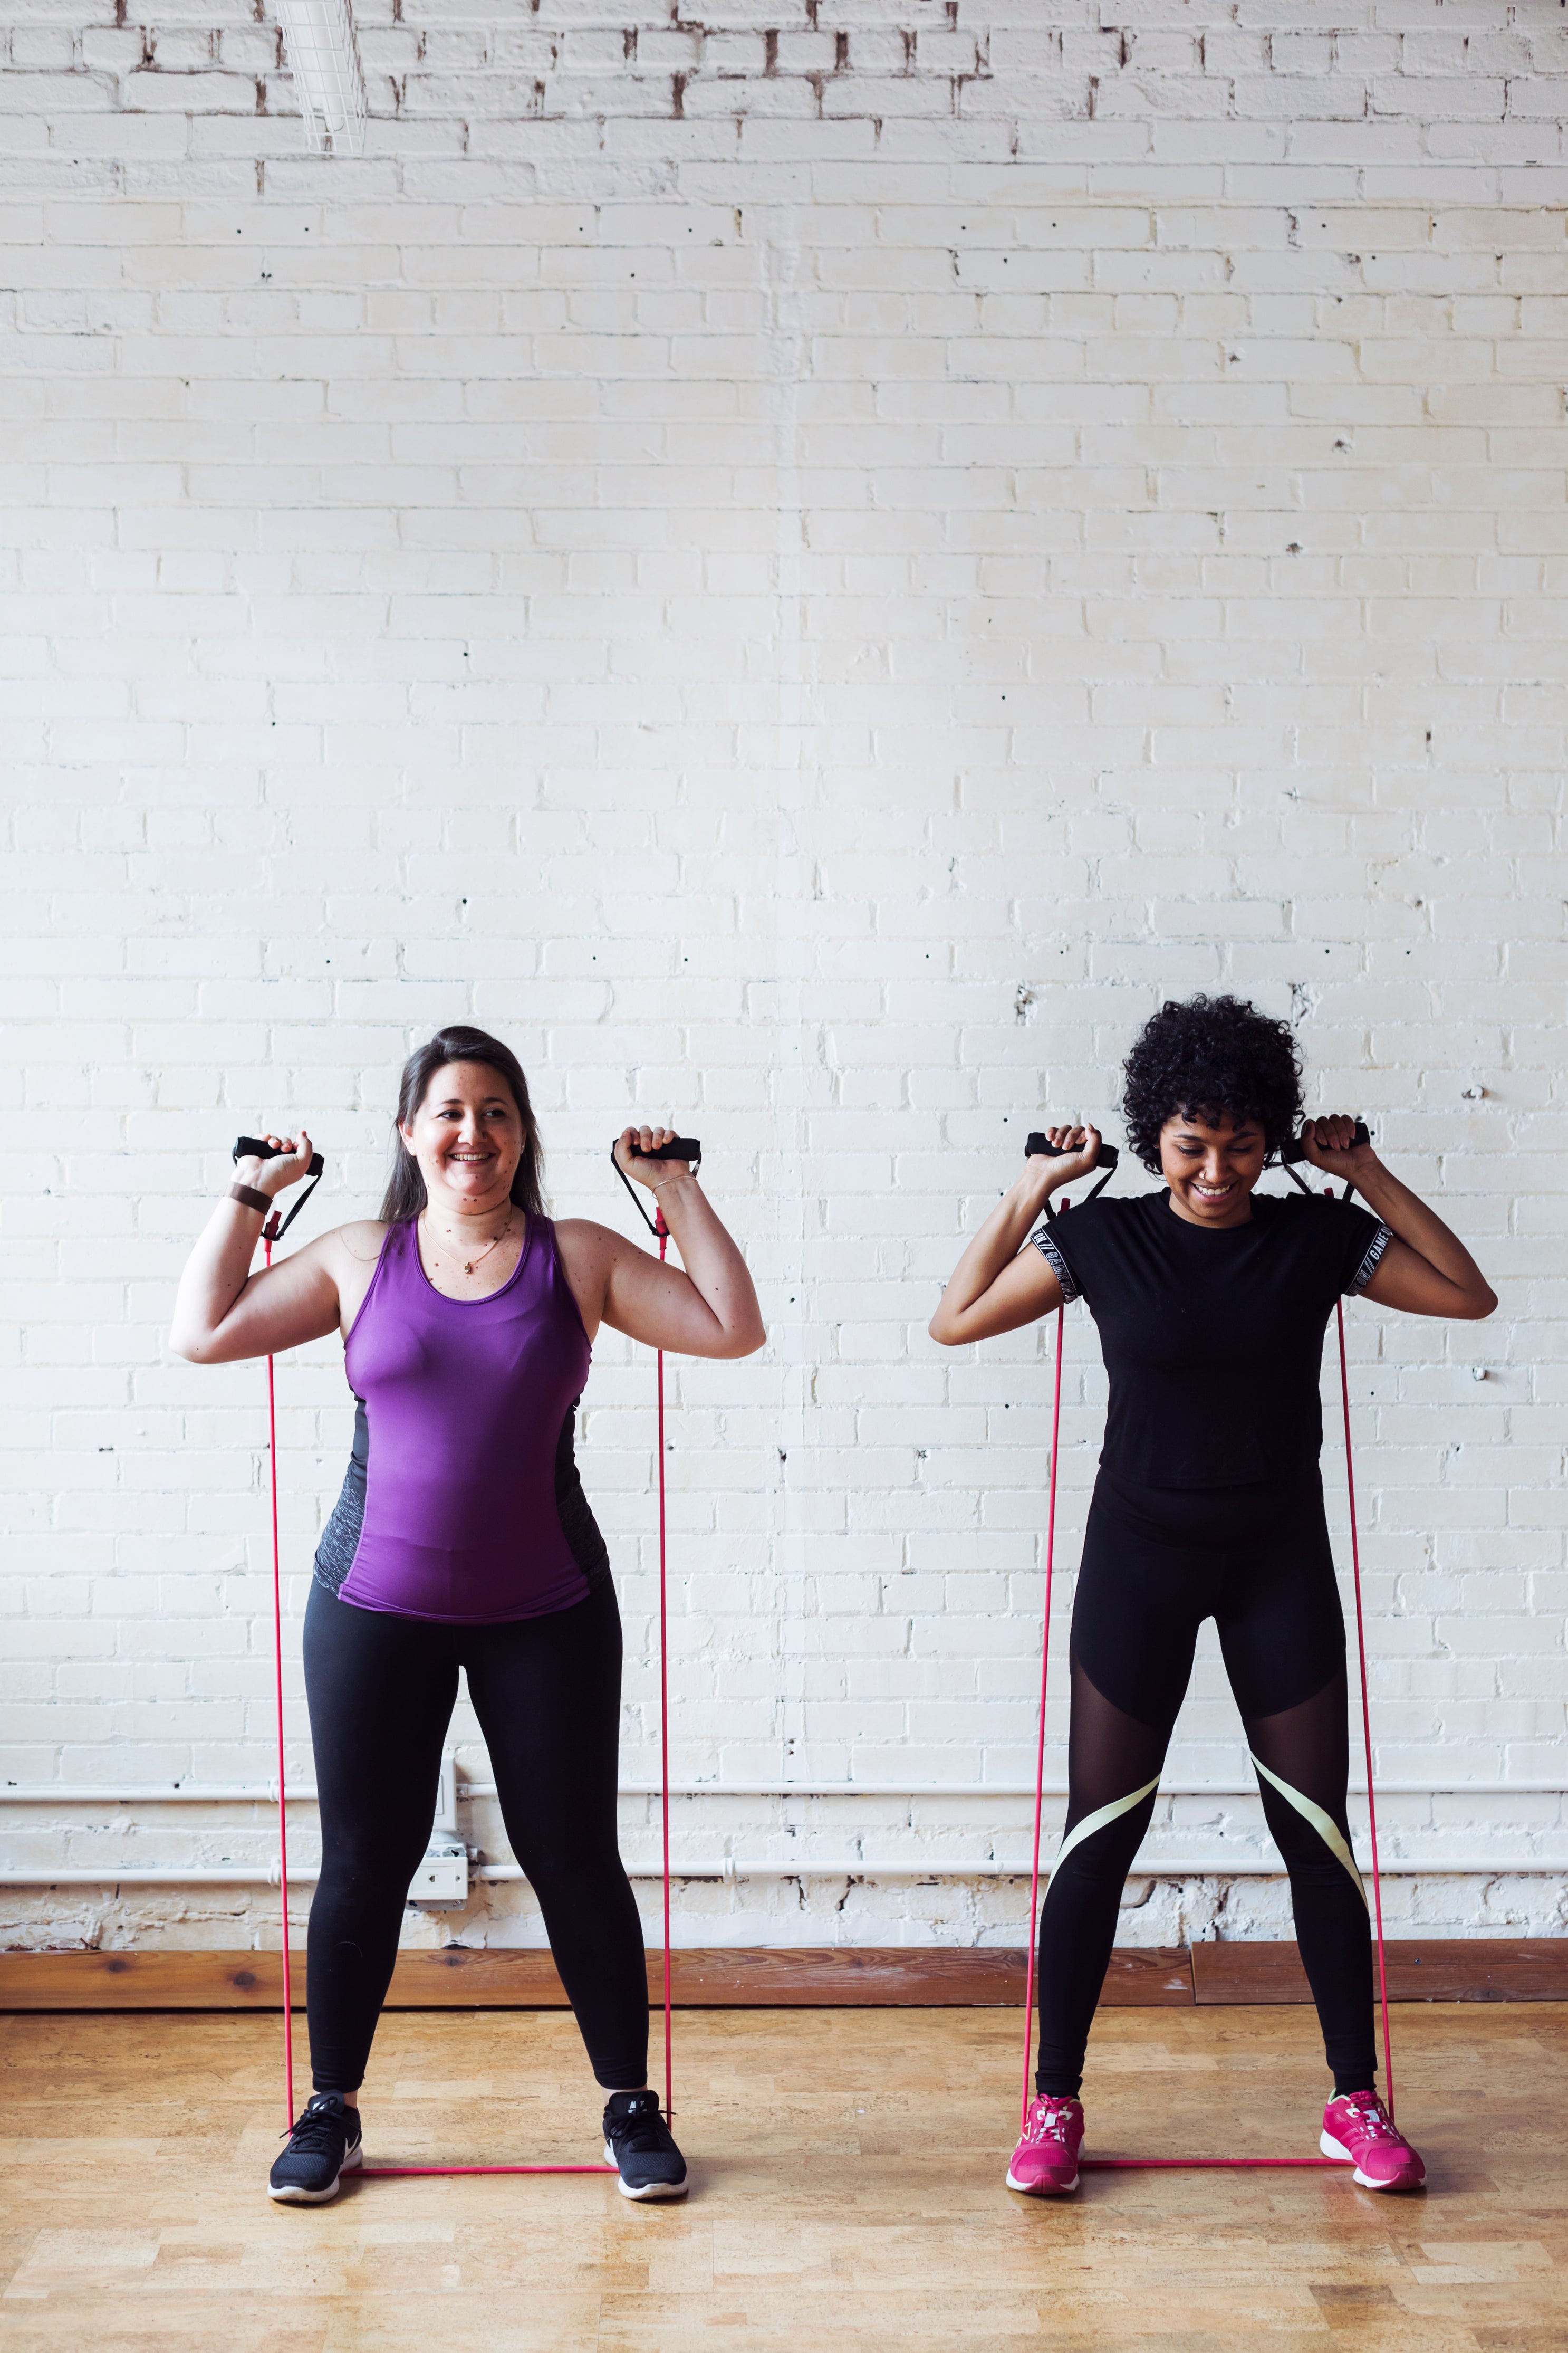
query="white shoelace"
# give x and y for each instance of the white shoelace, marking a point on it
(1052, 2125)
(1375, 2120)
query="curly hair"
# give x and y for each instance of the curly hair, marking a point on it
(1213, 1058)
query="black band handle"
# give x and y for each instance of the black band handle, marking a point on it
(1106, 1157)
(1296, 1150)
(1291, 1155)
(255, 1147)
(679, 1147)
(683, 1147)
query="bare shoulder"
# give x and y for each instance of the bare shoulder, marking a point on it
(353, 1246)
(583, 1242)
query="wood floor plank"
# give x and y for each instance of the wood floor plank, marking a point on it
(144, 1980)
(463, 1978)
(847, 2171)
(917, 1977)
(1524, 1969)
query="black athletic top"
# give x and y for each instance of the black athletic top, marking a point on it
(1213, 1338)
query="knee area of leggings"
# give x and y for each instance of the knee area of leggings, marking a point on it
(1311, 1865)
(558, 1871)
(1294, 1834)
(1100, 1861)
(1324, 1871)
(367, 1870)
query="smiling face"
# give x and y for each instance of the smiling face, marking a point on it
(467, 1137)
(1211, 1171)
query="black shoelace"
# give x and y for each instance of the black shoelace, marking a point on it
(641, 2133)
(319, 2130)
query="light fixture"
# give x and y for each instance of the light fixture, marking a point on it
(323, 52)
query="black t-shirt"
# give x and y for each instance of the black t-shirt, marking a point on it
(1213, 1338)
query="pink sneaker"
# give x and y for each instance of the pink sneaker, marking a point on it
(1358, 2131)
(1045, 2162)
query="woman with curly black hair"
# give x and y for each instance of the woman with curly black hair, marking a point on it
(1212, 1302)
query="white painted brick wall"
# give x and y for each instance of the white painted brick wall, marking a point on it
(806, 567)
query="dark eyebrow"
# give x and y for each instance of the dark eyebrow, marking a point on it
(1247, 1127)
(455, 1103)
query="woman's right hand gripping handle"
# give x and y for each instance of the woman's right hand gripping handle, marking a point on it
(998, 1285)
(223, 1312)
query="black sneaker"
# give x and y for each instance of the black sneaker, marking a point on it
(639, 2142)
(324, 2145)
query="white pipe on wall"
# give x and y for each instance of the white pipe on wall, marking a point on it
(727, 1869)
(196, 1875)
(86, 1793)
(1183, 1867)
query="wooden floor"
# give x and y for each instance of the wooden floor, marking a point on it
(847, 2193)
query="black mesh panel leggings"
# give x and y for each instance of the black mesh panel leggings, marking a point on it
(1156, 1563)
(547, 1693)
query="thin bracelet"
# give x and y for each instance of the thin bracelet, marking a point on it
(672, 1180)
(249, 1199)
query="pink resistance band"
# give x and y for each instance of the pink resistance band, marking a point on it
(403, 2172)
(1194, 2164)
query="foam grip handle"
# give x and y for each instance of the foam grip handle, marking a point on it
(255, 1147)
(683, 1147)
(1107, 1157)
(1289, 1154)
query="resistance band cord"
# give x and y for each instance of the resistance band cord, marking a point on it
(1107, 2164)
(270, 1233)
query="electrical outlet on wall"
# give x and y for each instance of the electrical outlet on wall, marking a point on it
(441, 1882)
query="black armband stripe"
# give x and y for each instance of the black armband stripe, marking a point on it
(1044, 1243)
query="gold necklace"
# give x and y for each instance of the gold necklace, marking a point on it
(469, 1264)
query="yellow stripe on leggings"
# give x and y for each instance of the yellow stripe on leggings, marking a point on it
(1328, 1829)
(1097, 1820)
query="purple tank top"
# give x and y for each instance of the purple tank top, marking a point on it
(462, 1500)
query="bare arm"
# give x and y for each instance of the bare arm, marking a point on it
(707, 1307)
(1425, 1269)
(998, 1285)
(222, 1311)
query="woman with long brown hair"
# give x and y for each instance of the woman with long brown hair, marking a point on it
(462, 1539)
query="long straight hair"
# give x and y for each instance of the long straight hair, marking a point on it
(406, 1194)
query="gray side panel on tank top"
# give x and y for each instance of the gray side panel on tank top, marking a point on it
(340, 1538)
(578, 1524)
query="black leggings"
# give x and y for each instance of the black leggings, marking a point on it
(1156, 1563)
(547, 1692)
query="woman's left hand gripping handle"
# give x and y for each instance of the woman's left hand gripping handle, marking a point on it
(637, 1156)
(1339, 1145)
